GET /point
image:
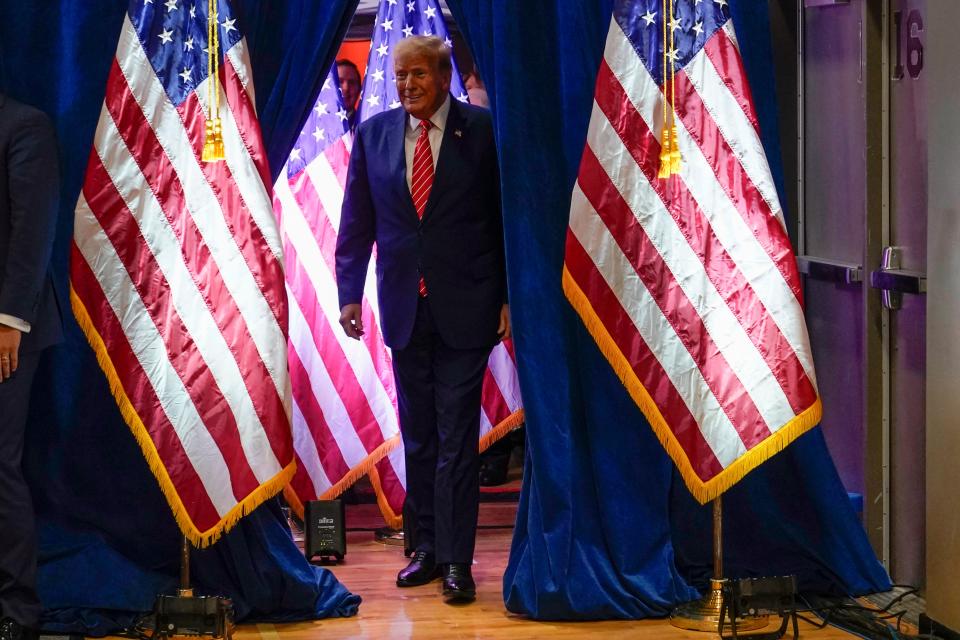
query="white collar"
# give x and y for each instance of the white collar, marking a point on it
(438, 119)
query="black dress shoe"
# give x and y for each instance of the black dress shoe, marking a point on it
(10, 629)
(458, 584)
(421, 570)
(493, 474)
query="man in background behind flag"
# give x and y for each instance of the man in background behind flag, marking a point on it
(349, 76)
(677, 257)
(176, 266)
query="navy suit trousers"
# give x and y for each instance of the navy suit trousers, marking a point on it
(438, 393)
(18, 540)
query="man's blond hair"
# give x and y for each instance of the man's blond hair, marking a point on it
(430, 47)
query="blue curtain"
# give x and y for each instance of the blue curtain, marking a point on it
(605, 527)
(108, 543)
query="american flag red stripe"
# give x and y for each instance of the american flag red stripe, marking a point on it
(344, 418)
(176, 273)
(688, 283)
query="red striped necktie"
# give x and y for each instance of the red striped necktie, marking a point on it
(422, 179)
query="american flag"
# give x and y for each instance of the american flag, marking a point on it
(176, 269)
(688, 282)
(344, 399)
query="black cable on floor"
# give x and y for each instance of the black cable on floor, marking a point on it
(864, 622)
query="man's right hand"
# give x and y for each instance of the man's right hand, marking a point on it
(351, 320)
(9, 351)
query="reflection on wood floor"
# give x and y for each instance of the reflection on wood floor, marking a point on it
(387, 612)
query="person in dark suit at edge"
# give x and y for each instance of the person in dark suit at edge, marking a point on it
(30, 321)
(424, 184)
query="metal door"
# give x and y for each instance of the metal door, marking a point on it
(862, 245)
(907, 244)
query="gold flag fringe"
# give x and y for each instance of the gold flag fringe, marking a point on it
(199, 538)
(393, 520)
(703, 491)
(505, 426)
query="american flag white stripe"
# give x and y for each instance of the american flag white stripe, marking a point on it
(504, 371)
(328, 188)
(690, 276)
(172, 266)
(486, 422)
(239, 58)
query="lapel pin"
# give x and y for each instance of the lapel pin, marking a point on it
(458, 133)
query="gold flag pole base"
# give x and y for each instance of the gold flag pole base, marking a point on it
(704, 614)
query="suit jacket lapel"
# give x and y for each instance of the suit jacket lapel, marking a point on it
(448, 158)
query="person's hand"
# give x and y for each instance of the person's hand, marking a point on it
(351, 320)
(503, 331)
(9, 351)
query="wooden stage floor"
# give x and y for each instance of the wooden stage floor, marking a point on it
(387, 612)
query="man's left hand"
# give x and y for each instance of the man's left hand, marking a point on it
(9, 351)
(503, 331)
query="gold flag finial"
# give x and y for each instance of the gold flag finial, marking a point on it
(213, 134)
(670, 143)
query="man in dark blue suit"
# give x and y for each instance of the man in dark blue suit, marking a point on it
(29, 322)
(424, 184)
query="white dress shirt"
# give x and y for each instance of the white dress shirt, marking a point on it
(15, 322)
(435, 135)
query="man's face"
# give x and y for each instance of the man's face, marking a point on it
(349, 84)
(421, 85)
